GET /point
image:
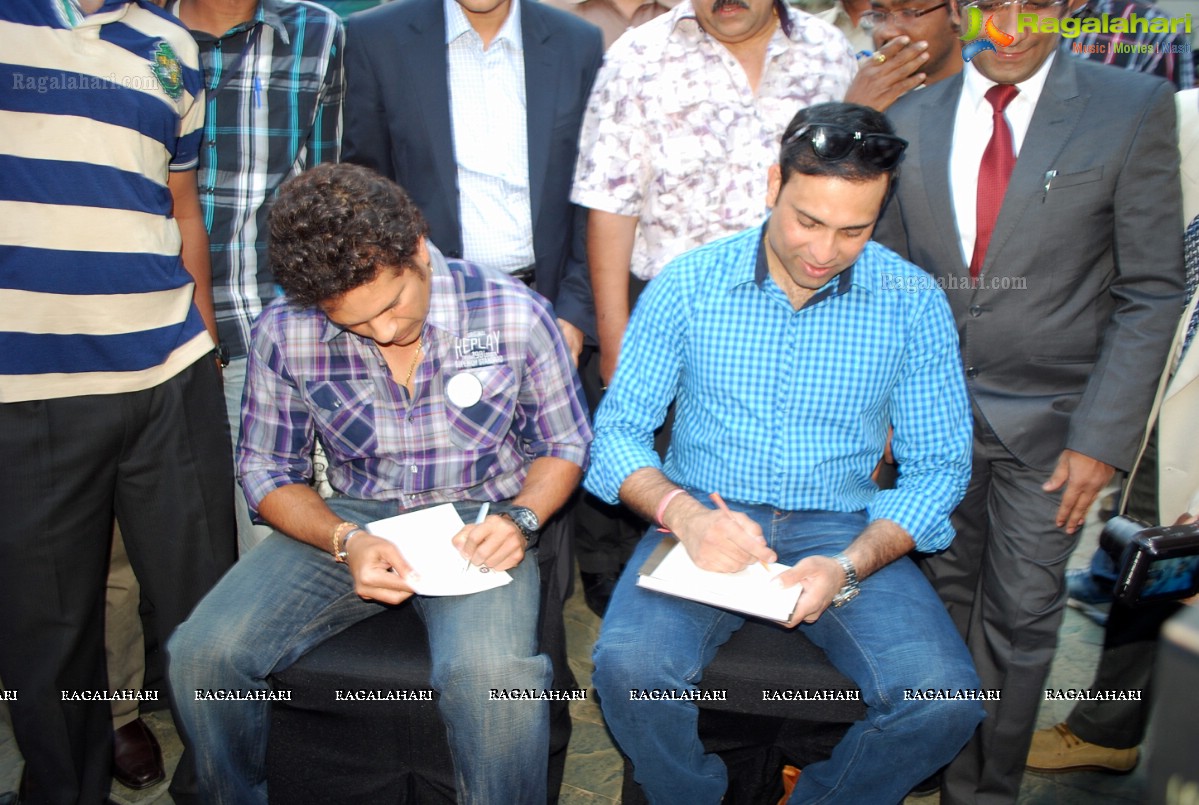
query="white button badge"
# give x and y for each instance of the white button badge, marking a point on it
(464, 390)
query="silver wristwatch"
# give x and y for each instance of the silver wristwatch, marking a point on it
(528, 523)
(851, 589)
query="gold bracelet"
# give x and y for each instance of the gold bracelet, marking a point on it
(338, 533)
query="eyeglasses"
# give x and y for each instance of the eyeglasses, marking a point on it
(1040, 7)
(876, 19)
(834, 143)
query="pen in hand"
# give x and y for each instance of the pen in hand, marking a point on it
(479, 518)
(724, 507)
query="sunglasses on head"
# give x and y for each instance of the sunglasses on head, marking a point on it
(833, 143)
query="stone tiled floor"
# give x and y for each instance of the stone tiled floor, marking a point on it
(593, 767)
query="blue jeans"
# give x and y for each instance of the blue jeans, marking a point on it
(284, 598)
(895, 635)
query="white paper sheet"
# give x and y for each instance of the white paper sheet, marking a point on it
(748, 591)
(423, 538)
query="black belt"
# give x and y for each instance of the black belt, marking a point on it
(527, 275)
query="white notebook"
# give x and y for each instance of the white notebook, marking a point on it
(423, 538)
(670, 570)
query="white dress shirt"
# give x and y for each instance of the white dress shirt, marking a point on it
(491, 140)
(972, 132)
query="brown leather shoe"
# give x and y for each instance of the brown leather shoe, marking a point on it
(136, 757)
(1058, 749)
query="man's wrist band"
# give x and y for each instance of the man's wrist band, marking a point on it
(669, 496)
(339, 533)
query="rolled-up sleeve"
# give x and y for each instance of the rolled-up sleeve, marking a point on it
(646, 382)
(933, 439)
(554, 416)
(276, 443)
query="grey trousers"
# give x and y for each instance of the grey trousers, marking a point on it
(1002, 582)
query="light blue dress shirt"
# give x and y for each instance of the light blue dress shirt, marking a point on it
(489, 119)
(790, 408)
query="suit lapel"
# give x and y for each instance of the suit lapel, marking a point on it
(541, 95)
(1053, 122)
(427, 51)
(936, 138)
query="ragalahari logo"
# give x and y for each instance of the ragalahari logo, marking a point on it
(990, 32)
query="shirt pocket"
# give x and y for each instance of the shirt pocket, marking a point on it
(344, 411)
(485, 423)
(1064, 180)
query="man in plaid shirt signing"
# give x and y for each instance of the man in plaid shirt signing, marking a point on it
(428, 381)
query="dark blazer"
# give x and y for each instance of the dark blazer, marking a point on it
(1072, 359)
(397, 121)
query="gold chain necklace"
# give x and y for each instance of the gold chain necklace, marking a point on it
(420, 344)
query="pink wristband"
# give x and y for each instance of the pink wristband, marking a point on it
(669, 496)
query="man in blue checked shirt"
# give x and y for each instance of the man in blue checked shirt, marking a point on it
(428, 381)
(788, 349)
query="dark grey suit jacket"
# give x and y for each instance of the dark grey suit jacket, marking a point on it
(397, 121)
(1072, 361)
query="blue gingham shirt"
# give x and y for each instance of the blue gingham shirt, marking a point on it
(307, 378)
(274, 88)
(790, 408)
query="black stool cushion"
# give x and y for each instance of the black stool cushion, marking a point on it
(360, 753)
(329, 751)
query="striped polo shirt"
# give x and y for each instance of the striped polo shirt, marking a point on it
(94, 112)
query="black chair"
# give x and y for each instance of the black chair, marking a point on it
(327, 751)
(755, 737)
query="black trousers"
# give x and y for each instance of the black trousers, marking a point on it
(160, 461)
(604, 535)
(1002, 581)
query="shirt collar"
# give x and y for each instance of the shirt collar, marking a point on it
(446, 308)
(836, 15)
(71, 13)
(975, 85)
(270, 12)
(456, 25)
(761, 270)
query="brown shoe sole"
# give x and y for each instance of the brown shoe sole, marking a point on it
(1065, 769)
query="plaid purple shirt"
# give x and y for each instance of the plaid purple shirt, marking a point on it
(307, 378)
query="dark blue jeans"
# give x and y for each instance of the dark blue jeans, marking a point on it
(893, 637)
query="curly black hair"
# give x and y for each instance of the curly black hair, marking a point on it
(333, 227)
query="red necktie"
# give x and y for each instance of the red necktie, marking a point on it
(993, 173)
